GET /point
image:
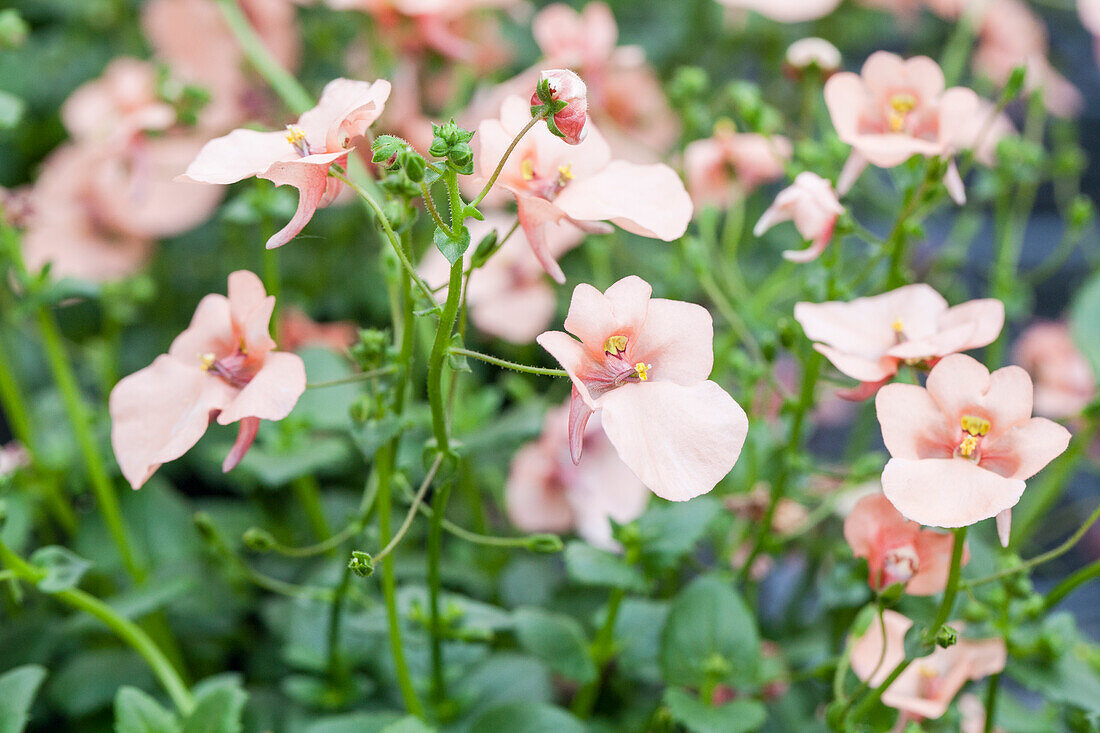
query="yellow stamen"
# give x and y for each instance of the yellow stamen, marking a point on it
(207, 360)
(615, 345)
(902, 105)
(898, 326)
(527, 169)
(643, 370)
(295, 135)
(968, 446)
(976, 426)
(565, 173)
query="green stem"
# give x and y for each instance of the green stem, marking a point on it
(1039, 559)
(413, 508)
(308, 492)
(360, 377)
(952, 588)
(508, 364)
(991, 702)
(1070, 584)
(504, 159)
(282, 81)
(81, 421)
(868, 702)
(603, 649)
(125, 629)
(430, 203)
(273, 283)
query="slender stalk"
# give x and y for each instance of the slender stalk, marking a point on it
(78, 415)
(1070, 584)
(308, 492)
(952, 588)
(353, 379)
(603, 649)
(430, 203)
(868, 702)
(508, 364)
(991, 702)
(125, 629)
(282, 81)
(504, 159)
(413, 508)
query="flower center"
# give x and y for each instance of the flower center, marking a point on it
(642, 370)
(900, 107)
(615, 345)
(234, 369)
(974, 429)
(899, 565)
(549, 187)
(621, 371)
(296, 136)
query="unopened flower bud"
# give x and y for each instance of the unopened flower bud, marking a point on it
(361, 564)
(562, 97)
(258, 540)
(813, 52)
(546, 543)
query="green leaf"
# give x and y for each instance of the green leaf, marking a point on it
(373, 434)
(136, 712)
(452, 247)
(17, 690)
(408, 724)
(710, 636)
(523, 717)
(638, 633)
(219, 705)
(670, 530)
(355, 723)
(738, 716)
(558, 640)
(1084, 322)
(589, 566)
(64, 568)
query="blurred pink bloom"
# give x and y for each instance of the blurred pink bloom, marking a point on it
(193, 39)
(811, 203)
(302, 155)
(897, 550)
(222, 366)
(1089, 10)
(962, 448)
(868, 338)
(927, 687)
(119, 105)
(895, 109)
(13, 456)
(554, 181)
(730, 164)
(297, 330)
(508, 297)
(973, 715)
(807, 52)
(1012, 34)
(546, 492)
(644, 363)
(1064, 382)
(566, 86)
(786, 11)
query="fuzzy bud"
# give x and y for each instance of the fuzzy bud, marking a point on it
(563, 93)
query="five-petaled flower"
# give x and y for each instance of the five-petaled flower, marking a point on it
(222, 366)
(300, 156)
(811, 203)
(897, 550)
(555, 181)
(898, 108)
(962, 448)
(644, 362)
(869, 338)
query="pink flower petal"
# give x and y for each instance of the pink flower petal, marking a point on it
(533, 502)
(250, 308)
(680, 441)
(210, 331)
(572, 356)
(249, 426)
(947, 492)
(239, 155)
(579, 414)
(310, 176)
(1004, 527)
(961, 385)
(534, 215)
(913, 426)
(272, 393)
(678, 339)
(1023, 451)
(344, 112)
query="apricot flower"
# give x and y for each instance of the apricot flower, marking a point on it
(811, 203)
(546, 492)
(644, 362)
(554, 181)
(897, 550)
(928, 685)
(868, 338)
(730, 164)
(223, 366)
(302, 155)
(1064, 382)
(895, 109)
(962, 448)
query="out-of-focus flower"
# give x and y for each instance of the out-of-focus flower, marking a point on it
(927, 687)
(1089, 10)
(547, 492)
(962, 448)
(895, 109)
(297, 330)
(731, 164)
(302, 155)
(120, 104)
(1012, 34)
(897, 550)
(571, 122)
(191, 36)
(554, 181)
(222, 366)
(810, 52)
(973, 715)
(868, 338)
(1064, 382)
(644, 362)
(786, 11)
(509, 296)
(811, 203)
(13, 456)
(753, 506)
